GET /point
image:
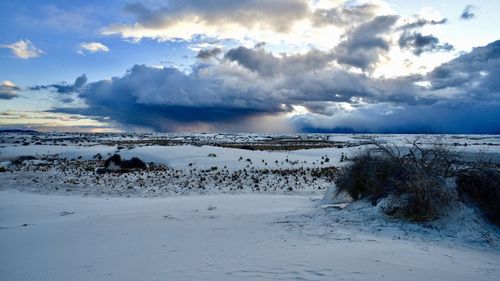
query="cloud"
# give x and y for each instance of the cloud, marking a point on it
(24, 49)
(477, 118)
(362, 34)
(8, 90)
(93, 47)
(366, 43)
(167, 99)
(63, 88)
(228, 92)
(468, 12)
(275, 14)
(472, 75)
(248, 22)
(207, 54)
(48, 121)
(221, 95)
(345, 15)
(222, 18)
(418, 43)
(266, 64)
(253, 84)
(414, 41)
(417, 22)
(462, 97)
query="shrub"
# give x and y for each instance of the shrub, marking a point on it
(247, 147)
(367, 176)
(134, 163)
(117, 159)
(413, 182)
(21, 159)
(2, 169)
(482, 186)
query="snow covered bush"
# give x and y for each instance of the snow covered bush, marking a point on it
(482, 186)
(411, 180)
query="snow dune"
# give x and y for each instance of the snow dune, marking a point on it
(215, 237)
(180, 157)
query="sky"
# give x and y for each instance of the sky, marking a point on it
(251, 66)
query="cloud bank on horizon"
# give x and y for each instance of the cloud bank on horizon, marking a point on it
(274, 66)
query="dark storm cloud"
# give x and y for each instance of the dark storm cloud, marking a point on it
(63, 88)
(207, 54)
(477, 118)
(163, 118)
(464, 97)
(366, 43)
(164, 98)
(468, 12)
(252, 82)
(474, 74)
(227, 92)
(418, 43)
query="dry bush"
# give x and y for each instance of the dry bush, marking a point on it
(412, 177)
(21, 159)
(481, 185)
(367, 176)
(124, 165)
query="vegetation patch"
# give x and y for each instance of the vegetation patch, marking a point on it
(482, 187)
(21, 159)
(116, 163)
(411, 180)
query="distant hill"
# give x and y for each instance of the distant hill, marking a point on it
(5, 131)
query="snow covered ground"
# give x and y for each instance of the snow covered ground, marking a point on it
(214, 237)
(208, 210)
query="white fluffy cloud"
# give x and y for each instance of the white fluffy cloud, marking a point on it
(92, 47)
(23, 49)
